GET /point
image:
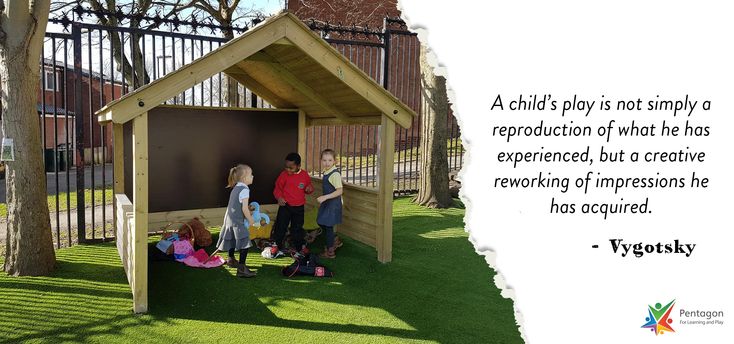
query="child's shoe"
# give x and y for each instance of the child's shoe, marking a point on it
(328, 253)
(233, 263)
(297, 255)
(275, 253)
(311, 235)
(266, 253)
(269, 253)
(337, 242)
(243, 271)
(303, 253)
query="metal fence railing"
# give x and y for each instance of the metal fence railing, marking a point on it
(91, 65)
(392, 58)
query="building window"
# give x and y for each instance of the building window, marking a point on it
(50, 80)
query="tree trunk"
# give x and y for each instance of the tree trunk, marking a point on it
(29, 246)
(433, 191)
(138, 76)
(233, 96)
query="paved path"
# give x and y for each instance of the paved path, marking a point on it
(99, 172)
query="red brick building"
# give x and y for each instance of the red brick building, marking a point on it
(401, 58)
(366, 13)
(57, 118)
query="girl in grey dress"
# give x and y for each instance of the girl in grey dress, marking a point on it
(235, 234)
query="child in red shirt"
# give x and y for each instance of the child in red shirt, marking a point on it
(290, 190)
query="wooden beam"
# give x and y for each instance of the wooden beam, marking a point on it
(260, 57)
(385, 189)
(259, 89)
(352, 76)
(364, 120)
(105, 117)
(118, 159)
(302, 135)
(226, 108)
(210, 217)
(140, 204)
(283, 41)
(155, 93)
(302, 87)
(118, 172)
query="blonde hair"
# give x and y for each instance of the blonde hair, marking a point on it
(237, 173)
(328, 151)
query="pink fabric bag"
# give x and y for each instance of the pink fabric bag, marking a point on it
(184, 253)
(197, 260)
(201, 255)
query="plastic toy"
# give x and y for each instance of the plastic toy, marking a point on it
(261, 228)
(260, 218)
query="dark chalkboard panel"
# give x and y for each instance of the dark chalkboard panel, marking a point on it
(192, 149)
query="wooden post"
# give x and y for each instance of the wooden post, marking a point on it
(139, 281)
(118, 173)
(302, 137)
(385, 189)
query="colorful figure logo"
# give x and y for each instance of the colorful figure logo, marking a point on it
(658, 319)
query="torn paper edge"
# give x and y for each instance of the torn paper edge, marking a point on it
(490, 255)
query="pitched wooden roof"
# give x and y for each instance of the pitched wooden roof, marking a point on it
(286, 64)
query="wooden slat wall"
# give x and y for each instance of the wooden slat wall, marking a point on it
(211, 217)
(359, 210)
(124, 226)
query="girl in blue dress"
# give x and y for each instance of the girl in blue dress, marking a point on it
(330, 208)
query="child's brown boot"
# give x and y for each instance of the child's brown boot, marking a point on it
(243, 271)
(233, 263)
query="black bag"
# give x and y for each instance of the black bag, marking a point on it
(307, 266)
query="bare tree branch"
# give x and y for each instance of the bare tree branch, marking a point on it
(60, 5)
(232, 8)
(137, 76)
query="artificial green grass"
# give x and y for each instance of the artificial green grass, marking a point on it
(436, 289)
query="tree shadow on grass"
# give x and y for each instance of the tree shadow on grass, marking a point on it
(436, 288)
(81, 300)
(216, 295)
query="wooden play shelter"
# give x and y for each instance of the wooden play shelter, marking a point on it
(171, 162)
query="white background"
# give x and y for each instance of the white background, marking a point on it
(565, 291)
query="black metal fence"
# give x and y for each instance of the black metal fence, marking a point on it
(91, 65)
(83, 70)
(391, 57)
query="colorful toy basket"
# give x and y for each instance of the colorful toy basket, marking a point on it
(184, 233)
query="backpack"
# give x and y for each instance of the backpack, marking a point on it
(307, 266)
